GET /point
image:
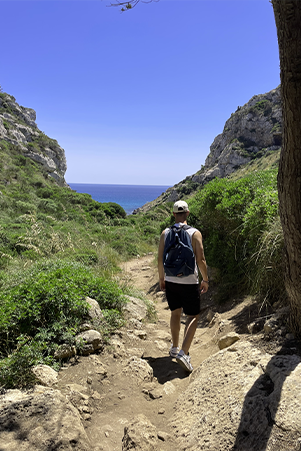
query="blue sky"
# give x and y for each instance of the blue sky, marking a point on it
(136, 97)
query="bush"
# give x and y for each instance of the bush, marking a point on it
(48, 205)
(15, 371)
(45, 306)
(113, 210)
(232, 216)
(25, 207)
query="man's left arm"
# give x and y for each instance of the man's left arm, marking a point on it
(160, 262)
(197, 244)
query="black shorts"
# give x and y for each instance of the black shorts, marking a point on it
(187, 297)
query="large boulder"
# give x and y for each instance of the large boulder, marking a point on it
(89, 341)
(45, 375)
(135, 308)
(40, 419)
(241, 398)
(228, 340)
(65, 351)
(138, 368)
(95, 313)
(140, 435)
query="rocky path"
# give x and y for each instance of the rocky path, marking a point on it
(133, 396)
(136, 376)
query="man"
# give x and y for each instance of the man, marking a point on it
(183, 293)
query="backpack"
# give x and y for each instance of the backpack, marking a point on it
(178, 255)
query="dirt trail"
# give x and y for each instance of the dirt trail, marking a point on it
(114, 395)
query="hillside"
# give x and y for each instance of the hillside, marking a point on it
(40, 215)
(57, 247)
(250, 135)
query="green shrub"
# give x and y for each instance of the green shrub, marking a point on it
(45, 193)
(48, 205)
(15, 370)
(46, 304)
(113, 320)
(25, 207)
(263, 107)
(232, 216)
(113, 210)
(20, 160)
(259, 214)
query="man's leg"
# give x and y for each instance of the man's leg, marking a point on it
(175, 326)
(190, 328)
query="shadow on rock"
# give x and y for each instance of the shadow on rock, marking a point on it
(270, 403)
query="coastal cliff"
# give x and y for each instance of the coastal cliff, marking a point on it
(19, 129)
(252, 132)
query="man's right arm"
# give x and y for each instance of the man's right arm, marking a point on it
(160, 262)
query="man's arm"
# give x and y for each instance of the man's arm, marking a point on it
(160, 262)
(197, 244)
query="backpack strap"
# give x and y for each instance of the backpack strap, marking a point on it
(183, 226)
(186, 227)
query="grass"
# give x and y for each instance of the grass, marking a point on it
(260, 164)
(266, 265)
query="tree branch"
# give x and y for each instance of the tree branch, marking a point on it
(125, 6)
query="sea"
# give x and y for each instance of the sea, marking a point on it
(130, 197)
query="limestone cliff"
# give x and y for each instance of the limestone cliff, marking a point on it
(18, 127)
(253, 131)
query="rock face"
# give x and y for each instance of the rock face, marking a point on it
(240, 399)
(253, 131)
(18, 127)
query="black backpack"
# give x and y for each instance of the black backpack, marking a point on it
(178, 256)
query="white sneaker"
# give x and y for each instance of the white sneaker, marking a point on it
(184, 361)
(174, 351)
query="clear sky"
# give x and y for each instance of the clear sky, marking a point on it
(136, 97)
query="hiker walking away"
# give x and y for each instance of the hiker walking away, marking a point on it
(180, 255)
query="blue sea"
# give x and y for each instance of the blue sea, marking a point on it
(129, 197)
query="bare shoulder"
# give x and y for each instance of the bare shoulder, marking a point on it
(162, 241)
(197, 242)
(197, 235)
(162, 236)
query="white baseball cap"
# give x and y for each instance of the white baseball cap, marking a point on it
(180, 207)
